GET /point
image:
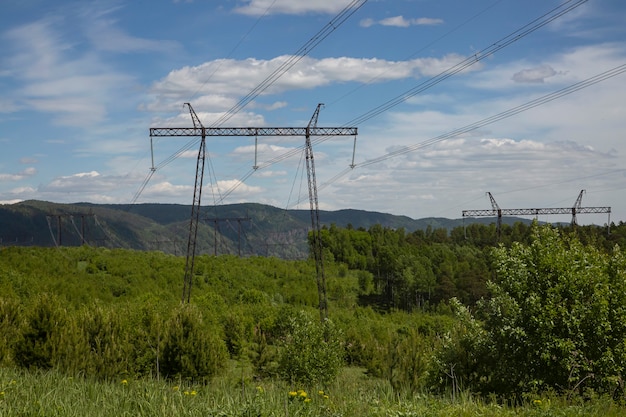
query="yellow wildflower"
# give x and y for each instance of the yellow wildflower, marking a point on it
(193, 392)
(307, 400)
(124, 382)
(292, 393)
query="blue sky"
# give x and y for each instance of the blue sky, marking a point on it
(81, 83)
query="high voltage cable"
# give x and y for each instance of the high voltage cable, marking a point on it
(613, 72)
(293, 59)
(518, 34)
(505, 114)
(525, 30)
(477, 57)
(151, 173)
(371, 80)
(330, 27)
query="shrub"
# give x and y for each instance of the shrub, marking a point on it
(312, 351)
(10, 312)
(41, 342)
(556, 320)
(192, 349)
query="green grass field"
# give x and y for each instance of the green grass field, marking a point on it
(52, 394)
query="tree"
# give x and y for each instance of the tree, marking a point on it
(556, 319)
(312, 351)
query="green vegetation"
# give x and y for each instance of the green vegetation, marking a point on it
(420, 323)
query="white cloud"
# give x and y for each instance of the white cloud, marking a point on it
(219, 83)
(534, 75)
(52, 78)
(401, 21)
(28, 172)
(294, 7)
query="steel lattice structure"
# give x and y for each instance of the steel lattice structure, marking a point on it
(252, 131)
(198, 130)
(574, 210)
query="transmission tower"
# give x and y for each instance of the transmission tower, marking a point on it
(216, 221)
(574, 210)
(198, 130)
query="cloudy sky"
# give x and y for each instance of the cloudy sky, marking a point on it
(425, 81)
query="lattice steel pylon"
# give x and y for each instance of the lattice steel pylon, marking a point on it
(198, 130)
(576, 209)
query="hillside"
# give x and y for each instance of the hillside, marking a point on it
(245, 229)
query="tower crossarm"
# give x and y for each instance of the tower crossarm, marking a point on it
(252, 131)
(536, 211)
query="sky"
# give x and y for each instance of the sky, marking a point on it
(82, 82)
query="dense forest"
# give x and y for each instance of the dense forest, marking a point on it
(544, 308)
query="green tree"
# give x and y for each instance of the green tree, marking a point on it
(312, 351)
(193, 349)
(556, 319)
(40, 345)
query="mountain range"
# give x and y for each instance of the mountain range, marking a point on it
(245, 229)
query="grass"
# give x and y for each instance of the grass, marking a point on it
(354, 394)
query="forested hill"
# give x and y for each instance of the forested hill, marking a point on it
(246, 229)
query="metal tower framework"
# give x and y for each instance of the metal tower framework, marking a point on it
(574, 210)
(198, 130)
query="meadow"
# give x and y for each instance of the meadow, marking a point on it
(100, 332)
(353, 394)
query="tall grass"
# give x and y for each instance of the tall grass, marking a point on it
(49, 393)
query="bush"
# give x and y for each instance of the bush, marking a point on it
(312, 351)
(193, 350)
(41, 343)
(10, 312)
(556, 320)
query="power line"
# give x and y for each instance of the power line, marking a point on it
(514, 36)
(503, 115)
(464, 64)
(293, 59)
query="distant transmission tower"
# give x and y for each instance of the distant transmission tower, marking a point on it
(574, 210)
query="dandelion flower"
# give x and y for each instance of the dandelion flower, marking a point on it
(307, 400)
(124, 382)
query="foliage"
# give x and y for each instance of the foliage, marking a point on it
(40, 343)
(192, 350)
(556, 320)
(54, 394)
(312, 351)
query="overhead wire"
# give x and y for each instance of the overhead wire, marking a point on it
(192, 143)
(613, 72)
(293, 59)
(525, 30)
(445, 35)
(503, 115)
(507, 40)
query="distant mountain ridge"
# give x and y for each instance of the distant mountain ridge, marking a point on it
(239, 229)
